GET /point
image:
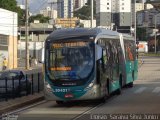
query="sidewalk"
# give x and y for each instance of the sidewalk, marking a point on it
(19, 102)
(12, 104)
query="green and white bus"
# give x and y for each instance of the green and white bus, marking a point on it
(88, 64)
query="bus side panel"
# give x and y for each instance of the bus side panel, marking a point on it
(129, 68)
(135, 69)
(132, 71)
(115, 82)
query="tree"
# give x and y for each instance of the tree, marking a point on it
(39, 17)
(85, 12)
(11, 5)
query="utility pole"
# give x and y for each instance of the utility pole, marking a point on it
(27, 33)
(91, 13)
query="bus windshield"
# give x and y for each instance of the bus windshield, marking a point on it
(70, 60)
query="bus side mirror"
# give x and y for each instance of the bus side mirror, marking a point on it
(98, 52)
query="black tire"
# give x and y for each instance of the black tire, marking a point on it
(130, 85)
(59, 102)
(104, 99)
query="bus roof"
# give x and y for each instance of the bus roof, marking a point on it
(128, 37)
(78, 32)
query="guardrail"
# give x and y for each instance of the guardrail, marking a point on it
(17, 87)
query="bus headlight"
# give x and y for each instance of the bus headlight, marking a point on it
(89, 86)
(48, 87)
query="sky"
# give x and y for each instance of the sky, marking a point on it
(35, 5)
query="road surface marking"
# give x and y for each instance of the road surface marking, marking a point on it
(27, 107)
(87, 111)
(140, 90)
(54, 112)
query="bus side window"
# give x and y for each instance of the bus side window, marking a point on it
(104, 59)
(98, 67)
(107, 54)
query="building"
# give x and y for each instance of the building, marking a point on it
(148, 6)
(38, 32)
(65, 8)
(8, 37)
(66, 22)
(22, 7)
(138, 6)
(155, 3)
(146, 18)
(48, 12)
(114, 13)
(79, 3)
(87, 23)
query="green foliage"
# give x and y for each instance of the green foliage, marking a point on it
(11, 5)
(85, 12)
(39, 17)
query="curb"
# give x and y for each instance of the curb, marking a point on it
(10, 105)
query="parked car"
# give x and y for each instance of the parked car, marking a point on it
(15, 82)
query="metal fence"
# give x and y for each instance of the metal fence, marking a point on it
(17, 87)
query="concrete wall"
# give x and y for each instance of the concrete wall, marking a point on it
(8, 27)
(8, 22)
(12, 52)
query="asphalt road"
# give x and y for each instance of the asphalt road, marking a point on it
(141, 101)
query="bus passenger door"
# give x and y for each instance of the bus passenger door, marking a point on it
(101, 67)
(98, 63)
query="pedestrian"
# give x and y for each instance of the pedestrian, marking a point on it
(30, 61)
(5, 62)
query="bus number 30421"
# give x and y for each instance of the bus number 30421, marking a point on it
(61, 90)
